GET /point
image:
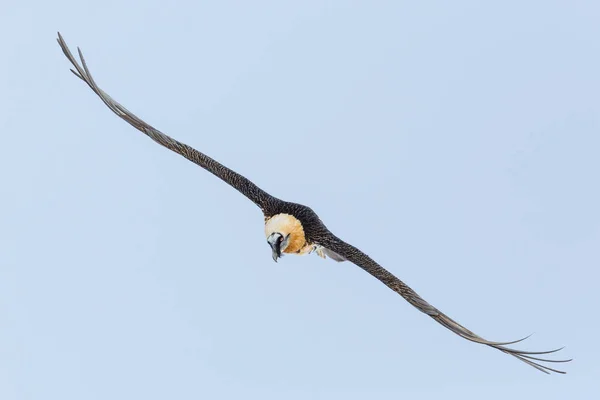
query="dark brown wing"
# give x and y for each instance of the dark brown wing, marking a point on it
(239, 182)
(362, 260)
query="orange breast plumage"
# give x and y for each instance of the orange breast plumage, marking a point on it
(287, 224)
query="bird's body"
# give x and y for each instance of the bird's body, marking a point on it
(292, 228)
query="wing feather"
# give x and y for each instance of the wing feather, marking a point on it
(239, 182)
(365, 262)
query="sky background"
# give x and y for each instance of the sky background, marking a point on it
(457, 144)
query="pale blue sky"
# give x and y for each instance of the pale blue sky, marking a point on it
(457, 144)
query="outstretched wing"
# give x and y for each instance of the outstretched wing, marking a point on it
(362, 260)
(239, 182)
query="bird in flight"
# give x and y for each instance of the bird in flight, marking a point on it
(292, 228)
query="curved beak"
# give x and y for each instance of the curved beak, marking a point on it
(274, 241)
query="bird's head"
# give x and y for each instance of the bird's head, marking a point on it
(284, 234)
(278, 242)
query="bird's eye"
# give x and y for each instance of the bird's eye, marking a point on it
(280, 239)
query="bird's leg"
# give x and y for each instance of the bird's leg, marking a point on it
(320, 251)
(307, 249)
